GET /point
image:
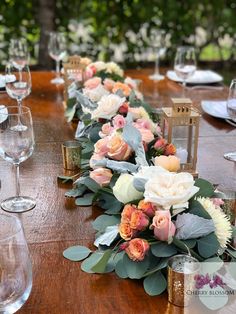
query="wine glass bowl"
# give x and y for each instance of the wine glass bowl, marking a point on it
(185, 63)
(57, 51)
(16, 145)
(18, 53)
(15, 265)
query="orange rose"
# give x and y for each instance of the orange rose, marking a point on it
(126, 232)
(137, 249)
(139, 221)
(123, 87)
(118, 149)
(147, 207)
(127, 212)
(170, 150)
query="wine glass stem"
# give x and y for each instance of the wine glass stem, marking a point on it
(156, 71)
(184, 87)
(58, 68)
(17, 173)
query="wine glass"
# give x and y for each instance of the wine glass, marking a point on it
(15, 147)
(158, 42)
(15, 265)
(231, 108)
(18, 53)
(185, 63)
(57, 51)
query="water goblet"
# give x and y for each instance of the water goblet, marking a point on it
(231, 108)
(159, 45)
(185, 63)
(18, 53)
(16, 145)
(57, 51)
(15, 265)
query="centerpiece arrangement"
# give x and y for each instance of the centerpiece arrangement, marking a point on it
(151, 211)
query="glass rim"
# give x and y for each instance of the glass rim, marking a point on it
(17, 227)
(21, 110)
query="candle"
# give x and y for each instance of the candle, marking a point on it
(182, 154)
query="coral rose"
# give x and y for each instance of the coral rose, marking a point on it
(162, 225)
(139, 221)
(126, 232)
(124, 108)
(137, 249)
(126, 90)
(170, 150)
(147, 207)
(118, 149)
(127, 212)
(101, 175)
(170, 163)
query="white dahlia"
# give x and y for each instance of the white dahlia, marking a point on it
(221, 221)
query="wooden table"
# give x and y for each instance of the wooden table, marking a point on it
(59, 286)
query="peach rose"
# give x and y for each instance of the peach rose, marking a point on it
(123, 87)
(95, 157)
(147, 135)
(139, 221)
(162, 225)
(106, 130)
(101, 147)
(170, 150)
(118, 149)
(118, 121)
(137, 249)
(170, 163)
(147, 208)
(127, 212)
(101, 175)
(108, 84)
(126, 232)
(93, 82)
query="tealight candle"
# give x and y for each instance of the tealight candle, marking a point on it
(71, 151)
(182, 154)
(181, 270)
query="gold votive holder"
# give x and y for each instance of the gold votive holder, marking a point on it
(71, 153)
(181, 271)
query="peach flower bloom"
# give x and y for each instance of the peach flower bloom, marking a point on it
(118, 149)
(127, 212)
(162, 225)
(147, 208)
(100, 147)
(123, 87)
(118, 121)
(126, 232)
(139, 221)
(95, 157)
(147, 135)
(101, 175)
(170, 149)
(106, 130)
(93, 82)
(108, 84)
(137, 249)
(170, 163)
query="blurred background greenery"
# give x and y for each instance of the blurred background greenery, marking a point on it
(123, 30)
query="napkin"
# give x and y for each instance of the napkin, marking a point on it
(199, 77)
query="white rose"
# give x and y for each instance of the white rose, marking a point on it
(170, 189)
(147, 173)
(124, 190)
(95, 94)
(112, 67)
(99, 65)
(108, 106)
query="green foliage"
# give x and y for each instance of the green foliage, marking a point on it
(76, 253)
(155, 284)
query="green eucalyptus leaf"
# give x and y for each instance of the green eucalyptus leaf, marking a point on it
(86, 200)
(76, 192)
(76, 253)
(190, 243)
(155, 284)
(65, 178)
(120, 269)
(208, 245)
(89, 262)
(206, 188)
(135, 270)
(91, 184)
(231, 252)
(103, 221)
(70, 112)
(196, 208)
(163, 249)
(100, 266)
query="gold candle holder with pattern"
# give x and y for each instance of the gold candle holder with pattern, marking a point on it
(181, 271)
(71, 153)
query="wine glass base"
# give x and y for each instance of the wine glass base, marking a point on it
(57, 80)
(19, 128)
(19, 204)
(156, 77)
(231, 156)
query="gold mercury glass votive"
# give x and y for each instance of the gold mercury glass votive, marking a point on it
(71, 153)
(181, 271)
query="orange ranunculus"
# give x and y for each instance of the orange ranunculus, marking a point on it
(126, 232)
(127, 212)
(137, 249)
(147, 207)
(139, 221)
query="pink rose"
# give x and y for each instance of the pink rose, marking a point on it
(127, 212)
(93, 82)
(108, 84)
(101, 146)
(101, 175)
(162, 225)
(118, 149)
(106, 130)
(88, 73)
(139, 221)
(160, 144)
(217, 201)
(144, 124)
(95, 157)
(118, 121)
(137, 249)
(147, 135)
(147, 207)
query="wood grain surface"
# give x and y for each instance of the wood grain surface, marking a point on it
(59, 286)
